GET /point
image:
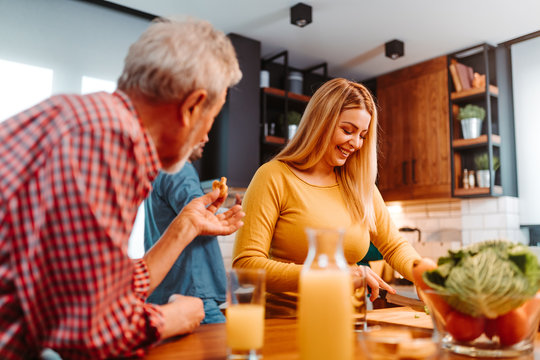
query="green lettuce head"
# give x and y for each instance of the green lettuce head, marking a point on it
(486, 279)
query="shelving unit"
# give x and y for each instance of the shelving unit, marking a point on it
(277, 101)
(496, 136)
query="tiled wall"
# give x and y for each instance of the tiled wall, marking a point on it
(438, 221)
(450, 224)
(491, 218)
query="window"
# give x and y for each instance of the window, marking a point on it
(90, 85)
(22, 86)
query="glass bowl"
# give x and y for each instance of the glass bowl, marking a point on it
(384, 342)
(508, 335)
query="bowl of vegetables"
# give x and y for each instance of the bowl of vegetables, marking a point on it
(484, 299)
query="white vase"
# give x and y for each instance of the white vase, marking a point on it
(483, 178)
(292, 130)
(471, 127)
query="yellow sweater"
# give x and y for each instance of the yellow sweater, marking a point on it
(279, 206)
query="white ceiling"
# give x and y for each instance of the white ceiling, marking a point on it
(350, 34)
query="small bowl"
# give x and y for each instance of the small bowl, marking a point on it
(508, 335)
(384, 342)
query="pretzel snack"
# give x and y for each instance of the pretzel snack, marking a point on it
(222, 186)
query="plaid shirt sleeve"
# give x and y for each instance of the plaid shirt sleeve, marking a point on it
(78, 291)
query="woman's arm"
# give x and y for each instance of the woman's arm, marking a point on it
(396, 250)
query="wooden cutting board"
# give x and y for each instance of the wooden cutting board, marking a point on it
(400, 316)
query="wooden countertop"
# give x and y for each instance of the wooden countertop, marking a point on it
(208, 342)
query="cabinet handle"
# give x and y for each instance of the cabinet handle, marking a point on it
(404, 172)
(413, 172)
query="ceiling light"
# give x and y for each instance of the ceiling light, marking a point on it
(394, 49)
(301, 14)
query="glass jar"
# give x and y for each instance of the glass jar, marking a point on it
(325, 305)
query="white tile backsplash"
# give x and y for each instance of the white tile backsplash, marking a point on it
(454, 223)
(472, 222)
(482, 206)
(451, 222)
(483, 235)
(495, 221)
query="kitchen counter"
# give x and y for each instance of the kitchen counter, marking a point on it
(208, 342)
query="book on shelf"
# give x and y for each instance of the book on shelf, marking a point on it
(465, 74)
(455, 78)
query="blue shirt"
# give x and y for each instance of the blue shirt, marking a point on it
(199, 270)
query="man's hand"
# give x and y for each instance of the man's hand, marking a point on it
(182, 315)
(201, 213)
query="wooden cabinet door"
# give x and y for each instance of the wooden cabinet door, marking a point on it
(430, 153)
(414, 146)
(395, 144)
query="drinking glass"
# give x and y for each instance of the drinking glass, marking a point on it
(359, 300)
(245, 313)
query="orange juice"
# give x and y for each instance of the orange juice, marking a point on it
(245, 326)
(325, 315)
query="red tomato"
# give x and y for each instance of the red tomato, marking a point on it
(511, 327)
(419, 267)
(464, 327)
(531, 308)
(490, 328)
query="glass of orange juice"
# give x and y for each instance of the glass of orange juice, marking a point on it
(245, 313)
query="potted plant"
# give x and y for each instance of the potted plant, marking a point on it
(471, 117)
(293, 119)
(483, 172)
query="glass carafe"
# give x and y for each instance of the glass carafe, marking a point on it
(324, 304)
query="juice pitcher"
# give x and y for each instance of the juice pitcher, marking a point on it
(325, 304)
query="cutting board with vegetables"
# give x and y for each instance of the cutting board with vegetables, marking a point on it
(400, 316)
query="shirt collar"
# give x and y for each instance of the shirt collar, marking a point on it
(152, 162)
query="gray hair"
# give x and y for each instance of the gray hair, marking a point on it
(173, 58)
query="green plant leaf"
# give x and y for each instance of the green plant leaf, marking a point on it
(471, 111)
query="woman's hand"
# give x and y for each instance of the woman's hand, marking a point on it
(373, 280)
(201, 212)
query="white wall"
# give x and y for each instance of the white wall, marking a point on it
(73, 38)
(526, 86)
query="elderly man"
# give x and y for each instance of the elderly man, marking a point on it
(73, 170)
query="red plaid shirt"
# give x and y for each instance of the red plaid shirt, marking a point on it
(73, 170)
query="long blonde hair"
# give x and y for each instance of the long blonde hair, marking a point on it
(357, 176)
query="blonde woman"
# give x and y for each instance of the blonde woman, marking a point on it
(324, 177)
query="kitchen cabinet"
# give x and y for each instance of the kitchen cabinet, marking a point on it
(496, 137)
(414, 156)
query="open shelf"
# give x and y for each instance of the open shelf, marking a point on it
(479, 141)
(493, 90)
(274, 139)
(478, 191)
(283, 93)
